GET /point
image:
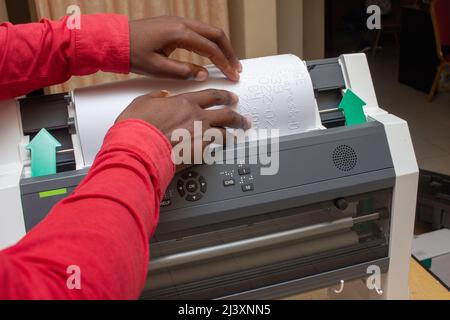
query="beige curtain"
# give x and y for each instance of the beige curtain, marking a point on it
(214, 12)
(3, 12)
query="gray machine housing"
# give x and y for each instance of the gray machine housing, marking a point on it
(325, 176)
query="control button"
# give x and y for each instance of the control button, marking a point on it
(180, 188)
(341, 204)
(229, 182)
(165, 203)
(190, 175)
(203, 185)
(193, 198)
(248, 187)
(244, 171)
(192, 186)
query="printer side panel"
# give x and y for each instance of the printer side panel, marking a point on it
(358, 78)
(403, 205)
(12, 226)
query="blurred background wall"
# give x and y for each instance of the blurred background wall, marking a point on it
(301, 28)
(3, 13)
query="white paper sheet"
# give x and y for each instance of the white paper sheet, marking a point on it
(275, 92)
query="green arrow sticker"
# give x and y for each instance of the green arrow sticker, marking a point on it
(43, 154)
(353, 108)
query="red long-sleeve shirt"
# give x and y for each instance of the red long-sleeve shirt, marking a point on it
(104, 227)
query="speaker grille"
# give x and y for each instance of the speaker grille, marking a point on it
(345, 158)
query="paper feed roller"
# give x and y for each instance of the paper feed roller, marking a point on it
(261, 258)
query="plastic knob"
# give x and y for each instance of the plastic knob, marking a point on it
(341, 204)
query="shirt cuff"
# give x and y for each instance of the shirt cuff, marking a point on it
(146, 141)
(102, 42)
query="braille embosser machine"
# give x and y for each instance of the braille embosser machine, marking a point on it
(343, 200)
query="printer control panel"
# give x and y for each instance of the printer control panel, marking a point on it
(316, 163)
(241, 177)
(333, 163)
(192, 186)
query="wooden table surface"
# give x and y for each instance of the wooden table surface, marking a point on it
(423, 286)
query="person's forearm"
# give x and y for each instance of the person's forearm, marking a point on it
(103, 228)
(37, 55)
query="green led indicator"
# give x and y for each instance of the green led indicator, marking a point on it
(52, 193)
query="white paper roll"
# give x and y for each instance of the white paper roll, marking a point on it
(275, 92)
